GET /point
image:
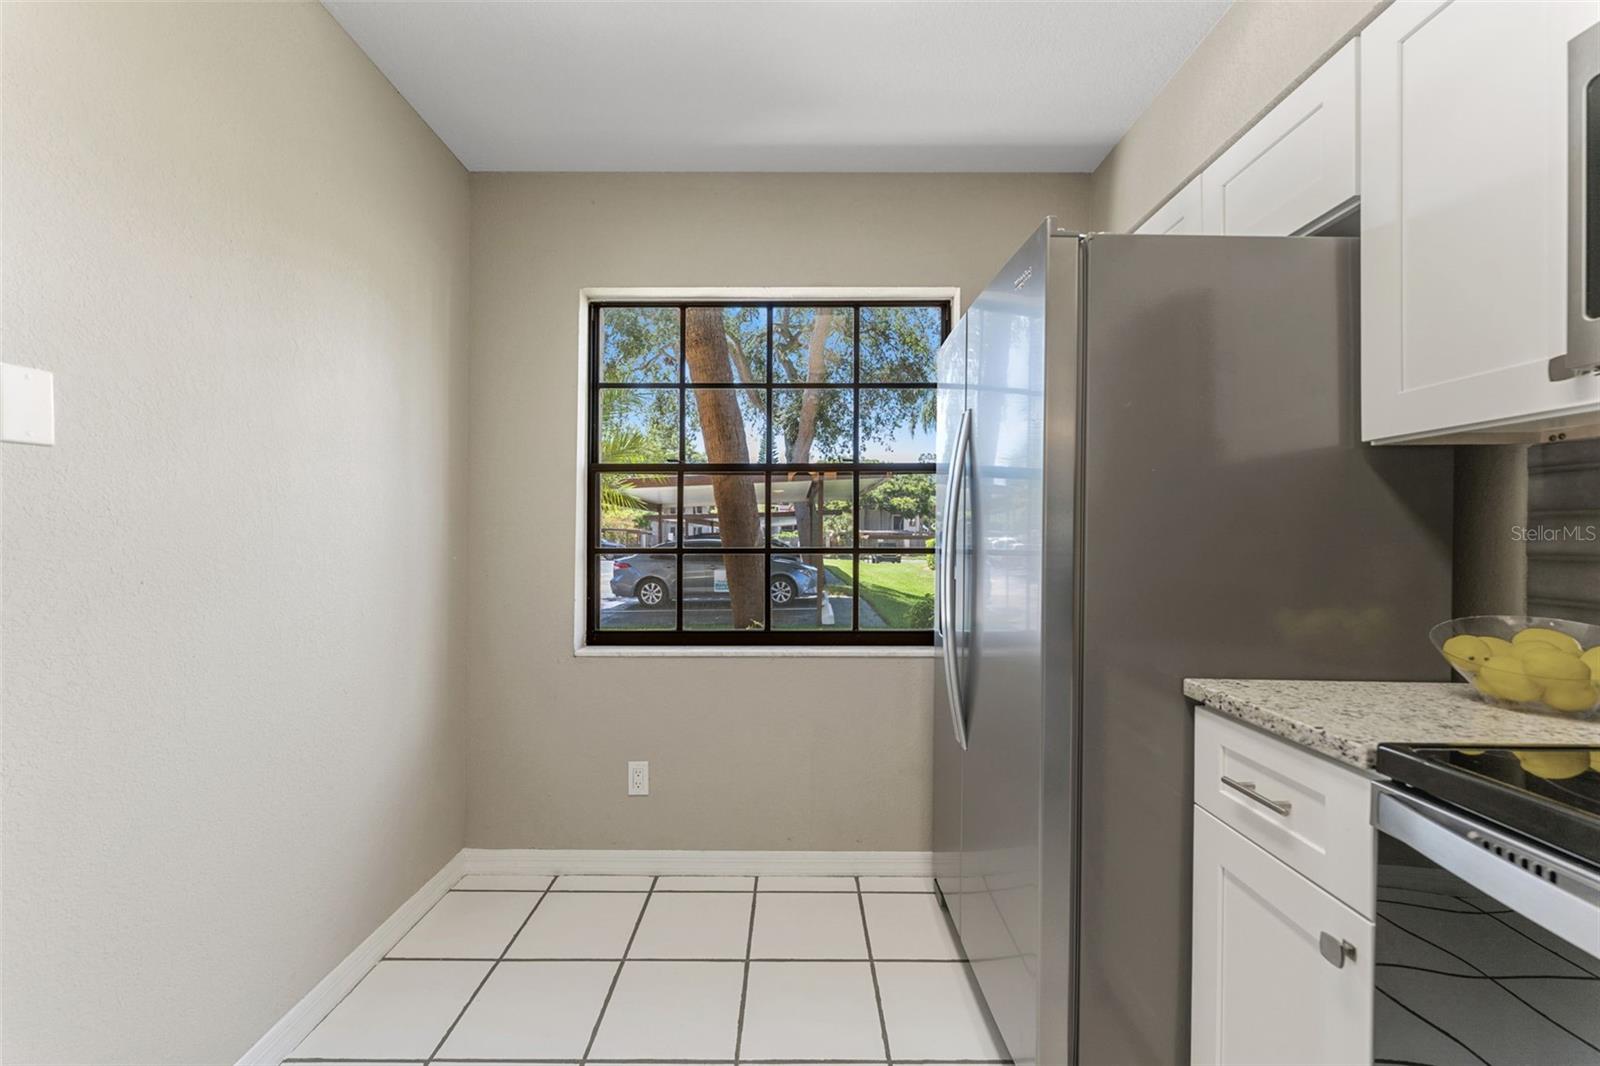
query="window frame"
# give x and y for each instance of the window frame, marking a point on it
(588, 636)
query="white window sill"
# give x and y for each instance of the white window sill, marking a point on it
(615, 651)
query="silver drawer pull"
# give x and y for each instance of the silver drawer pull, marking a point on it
(1248, 789)
(1336, 950)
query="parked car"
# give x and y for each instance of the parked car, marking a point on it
(652, 579)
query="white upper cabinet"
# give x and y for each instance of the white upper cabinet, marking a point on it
(1181, 214)
(1464, 220)
(1298, 166)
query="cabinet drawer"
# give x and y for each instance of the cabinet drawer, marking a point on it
(1296, 166)
(1309, 812)
(1282, 971)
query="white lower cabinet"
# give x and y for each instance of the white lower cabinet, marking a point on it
(1282, 970)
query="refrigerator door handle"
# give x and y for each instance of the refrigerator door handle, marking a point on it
(947, 578)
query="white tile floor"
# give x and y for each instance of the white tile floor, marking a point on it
(647, 970)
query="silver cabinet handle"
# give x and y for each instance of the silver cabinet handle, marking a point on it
(1336, 950)
(1248, 790)
(947, 580)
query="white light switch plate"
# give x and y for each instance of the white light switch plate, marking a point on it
(27, 405)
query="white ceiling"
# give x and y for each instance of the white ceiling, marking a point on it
(779, 85)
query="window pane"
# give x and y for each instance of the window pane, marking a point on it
(897, 511)
(638, 425)
(746, 330)
(736, 419)
(900, 343)
(811, 510)
(726, 345)
(809, 551)
(723, 591)
(897, 425)
(639, 344)
(813, 344)
(637, 510)
(833, 610)
(896, 591)
(724, 510)
(634, 591)
(813, 426)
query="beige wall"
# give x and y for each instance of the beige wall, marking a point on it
(231, 739)
(1258, 51)
(797, 753)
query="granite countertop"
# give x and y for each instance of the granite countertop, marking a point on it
(1347, 720)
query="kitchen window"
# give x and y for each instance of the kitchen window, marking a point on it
(761, 473)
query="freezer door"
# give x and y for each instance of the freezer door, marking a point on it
(1000, 890)
(951, 402)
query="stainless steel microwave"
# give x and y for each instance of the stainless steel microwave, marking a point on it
(1583, 209)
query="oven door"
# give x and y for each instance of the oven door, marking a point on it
(1488, 947)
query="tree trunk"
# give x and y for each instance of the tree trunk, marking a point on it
(800, 450)
(816, 511)
(722, 425)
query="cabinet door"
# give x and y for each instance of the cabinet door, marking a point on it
(1464, 216)
(1181, 214)
(1298, 165)
(1263, 991)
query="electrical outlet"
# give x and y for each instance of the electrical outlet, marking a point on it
(638, 779)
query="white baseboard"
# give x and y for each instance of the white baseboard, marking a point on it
(550, 861)
(303, 1017)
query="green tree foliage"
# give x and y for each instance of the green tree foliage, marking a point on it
(808, 345)
(641, 344)
(906, 495)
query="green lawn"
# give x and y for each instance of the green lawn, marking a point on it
(902, 593)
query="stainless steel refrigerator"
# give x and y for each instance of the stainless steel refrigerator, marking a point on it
(1149, 468)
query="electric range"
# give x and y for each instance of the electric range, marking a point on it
(1488, 915)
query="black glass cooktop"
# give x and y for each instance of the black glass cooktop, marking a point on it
(1551, 795)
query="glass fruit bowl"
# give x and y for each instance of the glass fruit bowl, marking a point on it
(1544, 665)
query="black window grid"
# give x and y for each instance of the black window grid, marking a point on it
(857, 468)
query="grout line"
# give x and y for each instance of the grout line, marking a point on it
(595, 1032)
(755, 891)
(381, 959)
(1576, 964)
(1484, 976)
(490, 972)
(1498, 981)
(696, 1061)
(872, 965)
(951, 961)
(744, 986)
(1432, 1025)
(703, 1061)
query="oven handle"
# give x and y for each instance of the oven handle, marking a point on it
(1539, 884)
